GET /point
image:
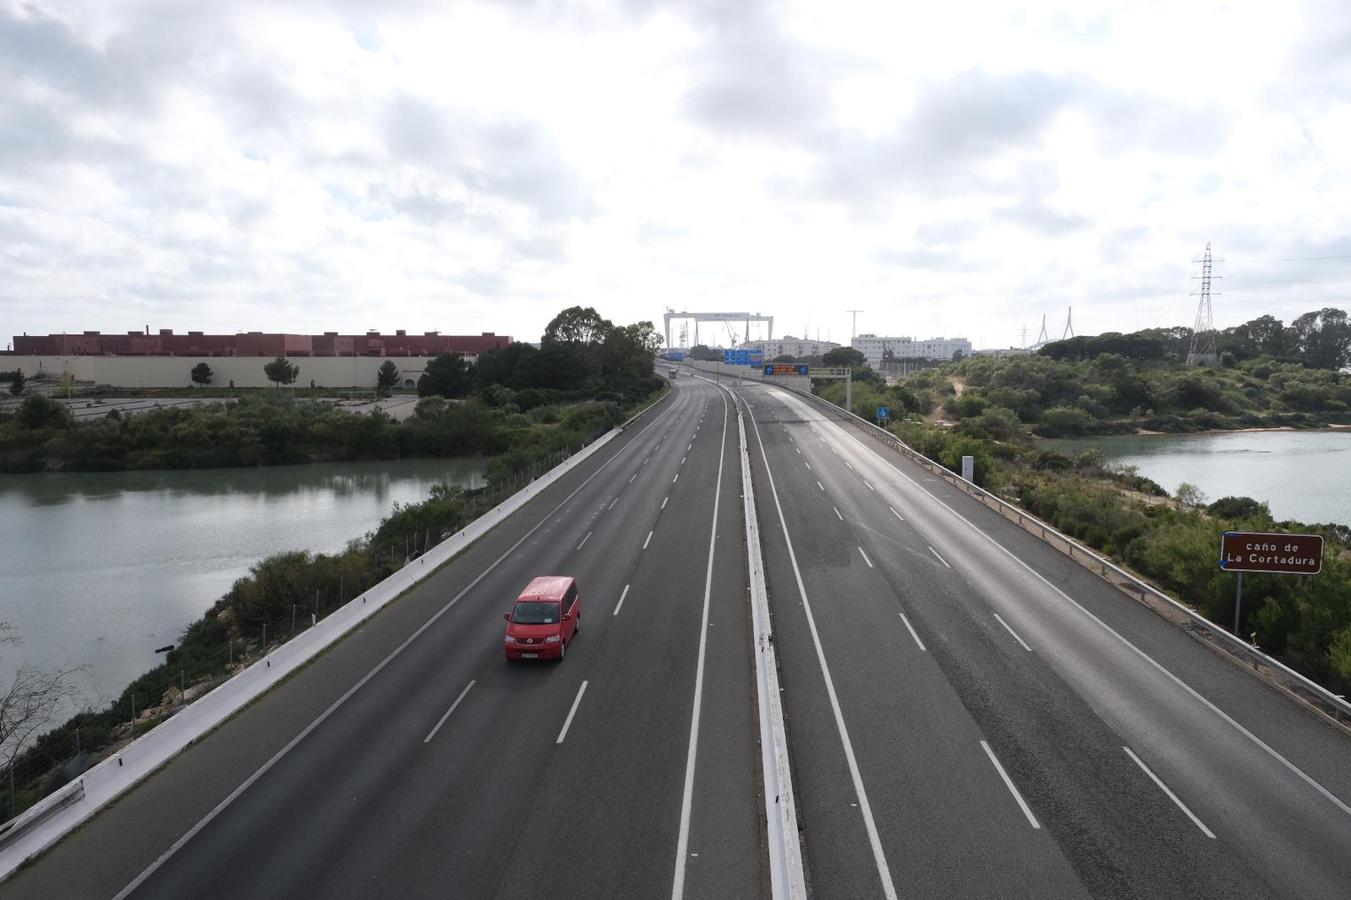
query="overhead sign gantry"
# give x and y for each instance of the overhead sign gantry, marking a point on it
(698, 317)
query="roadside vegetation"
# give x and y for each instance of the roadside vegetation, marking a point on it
(1269, 376)
(518, 403)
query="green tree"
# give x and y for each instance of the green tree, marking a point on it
(844, 357)
(577, 325)
(387, 376)
(201, 373)
(705, 353)
(448, 375)
(1323, 338)
(37, 413)
(16, 384)
(280, 372)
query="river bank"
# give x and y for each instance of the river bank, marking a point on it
(1289, 470)
(103, 568)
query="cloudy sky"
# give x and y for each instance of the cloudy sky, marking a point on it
(948, 168)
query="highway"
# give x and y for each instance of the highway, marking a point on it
(968, 712)
(972, 714)
(413, 760)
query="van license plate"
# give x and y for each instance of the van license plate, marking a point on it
(529, 656)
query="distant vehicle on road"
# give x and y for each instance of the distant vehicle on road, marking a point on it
(544, 620)
(674, 371)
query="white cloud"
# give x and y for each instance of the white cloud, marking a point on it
(478, 166)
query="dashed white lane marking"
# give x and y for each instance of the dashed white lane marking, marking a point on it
(837, 514)
(621, 600)
(676, 478)
(649, 539)
(939, 558)
(896, 514)
(798, 450)
(633, 476)
(870, 486)
(645, 459)
(584, 540)
(664, 499)
(911, 629)
(1163, 787)
(1008, 782)
(1012, 632)
(612, 503)
(820, 485)
(572, 712)
(851, 468)
(808, 465)
(689, 448)
(682, 460)
(865, 558)
(431, 734)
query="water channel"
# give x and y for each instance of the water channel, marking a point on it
(99, 569)
(1301, 475)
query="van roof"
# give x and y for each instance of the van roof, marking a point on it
(547, 587)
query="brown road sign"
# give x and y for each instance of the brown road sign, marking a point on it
(1255, 551)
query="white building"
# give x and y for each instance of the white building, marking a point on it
(790, 346)
(875, 348)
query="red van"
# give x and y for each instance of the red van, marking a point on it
(546, 616)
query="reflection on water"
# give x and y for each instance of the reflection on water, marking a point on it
(100, 568)
(1301, 475)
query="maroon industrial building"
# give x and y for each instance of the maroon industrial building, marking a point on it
(256, 343)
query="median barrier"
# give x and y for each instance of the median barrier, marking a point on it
(787, 879)
(40, 826)
(1308, 693)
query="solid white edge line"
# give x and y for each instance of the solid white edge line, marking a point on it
(939, 558)
(584, 540)
(1010, 630)
(865, 808)
(687, 797)
(1157, 666)
(624, 594)
(865, 558)
(649, 538)
(911, 628)
(1008, 782)
(333, 707)
(1171, 796)
(567, 723)
(431, 734)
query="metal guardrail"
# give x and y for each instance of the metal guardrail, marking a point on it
(41, 811)
(1131, 585)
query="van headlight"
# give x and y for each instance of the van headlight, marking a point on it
(551, 639)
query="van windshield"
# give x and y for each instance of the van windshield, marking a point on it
(535, 612)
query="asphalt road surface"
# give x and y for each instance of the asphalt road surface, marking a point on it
(971, 714)
(968, 712)
(438, 769)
